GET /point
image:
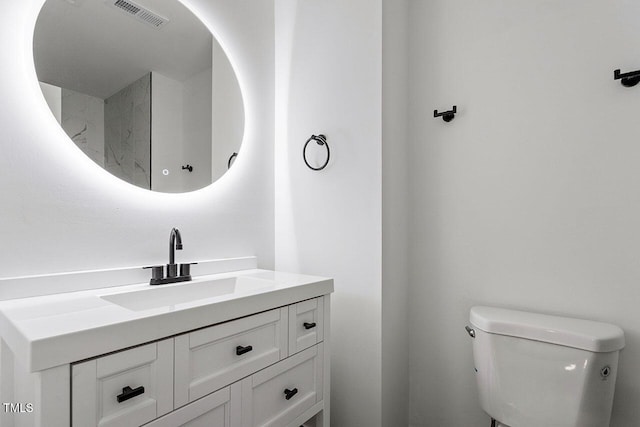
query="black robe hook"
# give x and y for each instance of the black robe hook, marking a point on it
(629, 79)
(447, 116)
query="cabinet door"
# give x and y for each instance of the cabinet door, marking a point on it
(277, 395)
(305, 324)
(211, 358)
(219, 409)
(128, 388)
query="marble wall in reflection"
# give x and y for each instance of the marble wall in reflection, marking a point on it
(82, 118)
(127, 133)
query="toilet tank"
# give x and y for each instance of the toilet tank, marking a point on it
(536, 370)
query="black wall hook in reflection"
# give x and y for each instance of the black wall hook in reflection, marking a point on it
(231, 160)
(627, 79)
(188, 167)
(447, 116)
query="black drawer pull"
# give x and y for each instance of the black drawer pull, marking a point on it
(128, 393)
(240, 350)
(288, 394)
(309, 325)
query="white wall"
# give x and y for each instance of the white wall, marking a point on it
(530, 197)
(196, 129)
(61, 212)
(208, 111)
(167, 124)
(199, 122)
(328, 64)
(181, 132)
(395, 214)
(227, 111)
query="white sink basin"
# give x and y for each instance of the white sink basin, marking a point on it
(167, 296)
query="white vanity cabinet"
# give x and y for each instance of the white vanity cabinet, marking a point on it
(237, 346)
(267, 369)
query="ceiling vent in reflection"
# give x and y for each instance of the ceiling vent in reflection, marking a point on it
(139, 12)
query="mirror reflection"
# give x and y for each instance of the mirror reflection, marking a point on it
(142, 88)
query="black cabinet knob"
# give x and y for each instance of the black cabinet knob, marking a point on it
(288, 394)
(240, 350)
(128, 393)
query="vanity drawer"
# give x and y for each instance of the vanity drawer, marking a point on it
(219, 409)
(305, 324)
(128, 388)
(211, 358)
(279, 394)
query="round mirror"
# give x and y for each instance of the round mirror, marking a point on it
(143, 88)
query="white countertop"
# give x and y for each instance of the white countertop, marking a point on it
(53, 330)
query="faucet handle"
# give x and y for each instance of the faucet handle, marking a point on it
(185, 268)
(157, 271)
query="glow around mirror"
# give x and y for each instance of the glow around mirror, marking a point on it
(142, 88)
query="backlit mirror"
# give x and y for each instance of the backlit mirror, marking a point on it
(143, 88)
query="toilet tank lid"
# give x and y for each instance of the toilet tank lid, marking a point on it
(583, 334)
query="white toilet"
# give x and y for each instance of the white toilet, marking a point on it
(534, 370)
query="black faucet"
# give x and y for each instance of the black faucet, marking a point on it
(157, 272)
(175, 244)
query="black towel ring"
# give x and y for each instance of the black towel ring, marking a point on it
(230, 162)
(320, 140)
